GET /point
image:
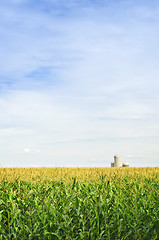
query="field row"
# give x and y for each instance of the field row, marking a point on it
(81, 174)
(96, 204)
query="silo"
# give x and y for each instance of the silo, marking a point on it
(117, 161)
(112, 164)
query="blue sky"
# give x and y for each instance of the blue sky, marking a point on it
(79, 82)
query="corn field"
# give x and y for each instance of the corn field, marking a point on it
(79, 203)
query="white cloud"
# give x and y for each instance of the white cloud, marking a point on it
(12, 131)
(26, 150)
(80, 82)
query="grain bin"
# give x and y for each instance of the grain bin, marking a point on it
(117, 161)
(125, 164)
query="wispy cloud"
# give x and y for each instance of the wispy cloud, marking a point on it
(77, 76)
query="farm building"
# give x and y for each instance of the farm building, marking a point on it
(117, 162)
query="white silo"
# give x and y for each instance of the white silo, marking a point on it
(117, 161)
